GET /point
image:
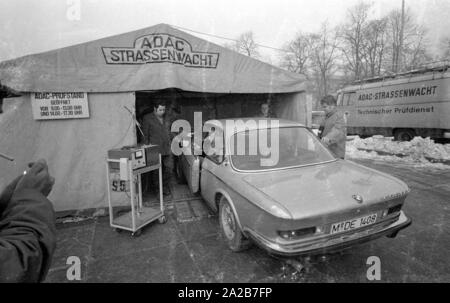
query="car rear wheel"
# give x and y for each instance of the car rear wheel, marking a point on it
(403, 134)
(230, 228)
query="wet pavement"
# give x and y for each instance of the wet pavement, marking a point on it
(190, 248)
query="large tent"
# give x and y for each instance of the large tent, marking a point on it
(113, 76)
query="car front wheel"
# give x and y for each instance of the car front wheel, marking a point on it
(230, 228)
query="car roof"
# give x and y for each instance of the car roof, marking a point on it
(242, 126)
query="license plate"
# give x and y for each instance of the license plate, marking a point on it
(353, 224)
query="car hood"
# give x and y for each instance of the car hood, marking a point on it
(326, 188)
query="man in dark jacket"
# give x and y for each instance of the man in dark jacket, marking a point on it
(333, 129)
(156, 131)
(265, 111)
(27, 226)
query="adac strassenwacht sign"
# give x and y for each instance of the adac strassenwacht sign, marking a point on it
(158, 48)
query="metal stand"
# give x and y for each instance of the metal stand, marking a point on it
(139, 216)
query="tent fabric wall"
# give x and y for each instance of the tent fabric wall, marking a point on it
(87, 67)
(75, 149)
(292, 107)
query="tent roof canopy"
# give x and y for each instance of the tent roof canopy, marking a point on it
(153, 58)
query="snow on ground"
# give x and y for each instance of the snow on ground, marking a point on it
(414, 152)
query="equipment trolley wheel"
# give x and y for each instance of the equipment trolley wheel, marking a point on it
(118, 230)
(162, 219)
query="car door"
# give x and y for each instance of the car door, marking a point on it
(212, 168)
(190, 164)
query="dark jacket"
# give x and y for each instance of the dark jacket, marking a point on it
(335, 129)
(27, 235)
(156, 133)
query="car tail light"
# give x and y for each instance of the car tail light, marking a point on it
(298, 233)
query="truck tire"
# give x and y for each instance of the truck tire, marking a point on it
(404, 134)
(230, 229)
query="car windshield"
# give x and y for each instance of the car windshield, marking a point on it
(276, 148)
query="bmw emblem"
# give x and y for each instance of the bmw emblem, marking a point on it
(358, 198)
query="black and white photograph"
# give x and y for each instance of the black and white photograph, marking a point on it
(249, 144)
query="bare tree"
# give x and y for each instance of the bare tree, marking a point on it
(298, 55)
(324, 47)
(352, 35)
(244, 44)
(395, 25)
(374, 47)
(409, 51)
(415, 49)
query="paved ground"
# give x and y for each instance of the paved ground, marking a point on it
(189, 248)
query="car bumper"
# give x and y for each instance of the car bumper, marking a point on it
(328, 244)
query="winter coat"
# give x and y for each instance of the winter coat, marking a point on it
(334, 128)
(156, 133)
(27, 235)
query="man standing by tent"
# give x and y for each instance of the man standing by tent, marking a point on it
(265, 111)
(27, 226)
(156, 131)
(333, 131)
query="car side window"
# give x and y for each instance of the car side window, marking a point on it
(345, 99)
(351, 99)
(339, 100)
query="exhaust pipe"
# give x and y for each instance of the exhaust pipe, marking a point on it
(393, 235)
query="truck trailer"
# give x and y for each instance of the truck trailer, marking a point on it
(415, 103)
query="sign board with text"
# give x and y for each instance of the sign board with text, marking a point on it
(160, 48)
(50, 106)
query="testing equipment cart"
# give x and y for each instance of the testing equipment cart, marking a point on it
(124, 168)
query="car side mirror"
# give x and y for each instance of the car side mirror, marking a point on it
(225, 161)
(218, 159)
